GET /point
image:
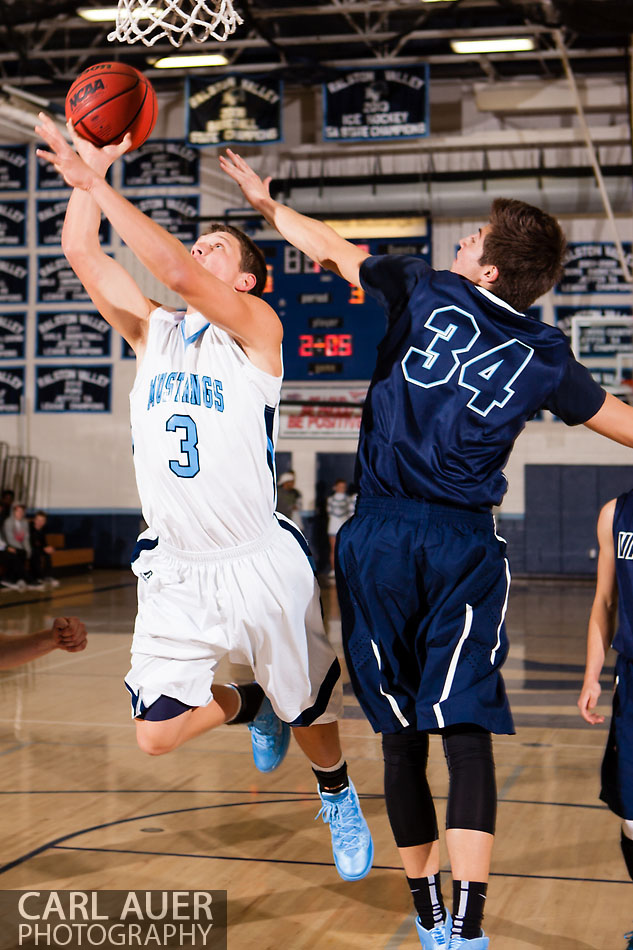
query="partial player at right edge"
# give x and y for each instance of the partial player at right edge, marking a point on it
(614, 595)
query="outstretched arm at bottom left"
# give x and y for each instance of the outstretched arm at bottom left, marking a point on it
(66, 633)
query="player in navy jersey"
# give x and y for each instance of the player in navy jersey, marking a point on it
(220, 574)
(422, 577)
(614, 593)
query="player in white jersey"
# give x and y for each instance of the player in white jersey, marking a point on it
(219, 573)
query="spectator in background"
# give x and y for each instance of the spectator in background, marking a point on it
(41, 569)
(289, 499)
(6, 504)
(340, 507)
(66, 633)
(15, 534)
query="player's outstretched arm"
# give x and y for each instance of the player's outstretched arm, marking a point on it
(318, 240)
(113, 291)
(66, 633)
(614, 419)
(248, 319)
(602, 619)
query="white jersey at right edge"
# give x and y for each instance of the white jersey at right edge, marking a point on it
(204, 422)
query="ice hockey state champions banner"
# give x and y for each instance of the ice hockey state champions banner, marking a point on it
(234, 110)
(377, 104)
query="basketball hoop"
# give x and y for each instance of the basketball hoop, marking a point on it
(177, 20)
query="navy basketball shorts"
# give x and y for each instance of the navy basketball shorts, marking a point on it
(423, 590)
(617, 765)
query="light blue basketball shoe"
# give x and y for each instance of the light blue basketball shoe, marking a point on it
(475, 943)
(438, 937)
(352, 846)
(269, 738)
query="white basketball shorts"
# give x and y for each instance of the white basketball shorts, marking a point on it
(257, 603)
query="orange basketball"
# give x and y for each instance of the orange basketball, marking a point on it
(110, 99)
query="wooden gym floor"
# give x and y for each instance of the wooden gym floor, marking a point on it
(83, 809)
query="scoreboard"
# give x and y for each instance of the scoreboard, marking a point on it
(331, 327)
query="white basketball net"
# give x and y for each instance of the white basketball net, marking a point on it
(177, 20)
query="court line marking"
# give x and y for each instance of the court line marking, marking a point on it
(402, 932)
(375, 867)
(122, 821)
(65, 594)
(66, 722)
(58, 844)
(16, 748)
(510, 781)
(56, 665)
(366, 796)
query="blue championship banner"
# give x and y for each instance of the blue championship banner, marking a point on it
(12, 336)
(161, 162)
(234, 110)
(13, 168)
(597, 331)
(127, 353)
(76, 333)
(14, 279)
(377, 104)
(48, 179)
(12, 223)
(57, 282)
(594, 268)
(73, 388)
(11, 389)
(178, 214)
(50, 216)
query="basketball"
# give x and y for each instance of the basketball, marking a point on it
(110, 99)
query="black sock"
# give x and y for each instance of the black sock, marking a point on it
(427, 897)
(627, 851)
(469, 898)
(334, 781)
(251, 695)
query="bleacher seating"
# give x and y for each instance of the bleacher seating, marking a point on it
(63, 557)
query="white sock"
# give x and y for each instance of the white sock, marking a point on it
(627, 828)
(239, 708)
(330, 768)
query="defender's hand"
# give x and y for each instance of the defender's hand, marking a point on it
(253, 188)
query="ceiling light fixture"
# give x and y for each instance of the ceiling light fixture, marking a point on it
(506, 44)
(109, 14)
(188, 62)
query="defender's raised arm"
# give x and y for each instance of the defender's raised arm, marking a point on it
(318, 240)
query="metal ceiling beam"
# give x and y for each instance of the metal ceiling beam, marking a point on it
(446, 59)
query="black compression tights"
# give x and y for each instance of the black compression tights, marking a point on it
(472, 797)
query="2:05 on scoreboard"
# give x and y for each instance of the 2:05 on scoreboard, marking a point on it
(331, 328)
(325, 344)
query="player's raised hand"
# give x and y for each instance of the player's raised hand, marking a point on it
(588, 701)
(69, 634)
(63, 156)
(99, 159)
(79, 166)
(254, 189)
